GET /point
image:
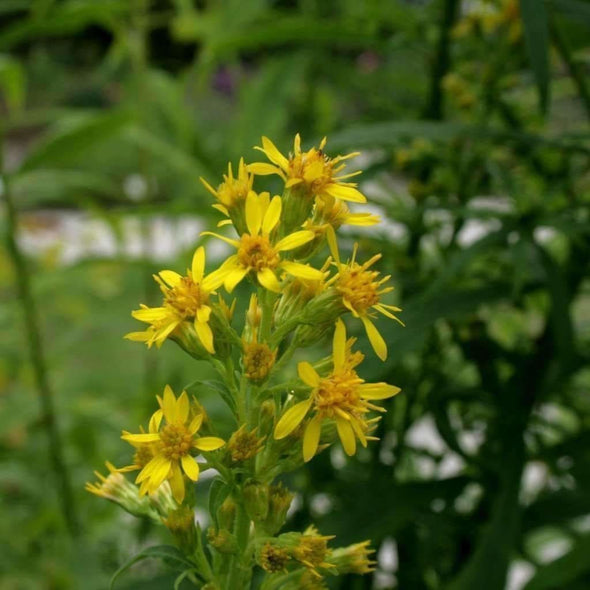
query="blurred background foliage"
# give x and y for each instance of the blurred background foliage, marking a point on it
(472, 118)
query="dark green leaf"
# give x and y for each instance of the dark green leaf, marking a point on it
(218, 492)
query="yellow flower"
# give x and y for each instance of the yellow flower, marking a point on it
(175, 441)
(342, 396)
(360, 290)
(232, 191)
(185, 298)
(313, 171)
(336, 213)
(257, 251)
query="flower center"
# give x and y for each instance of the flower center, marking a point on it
(186, 297)
(258, 360)
(256, 252)
(176, 441)
(314, 167)
(359, 287)
(339, 390)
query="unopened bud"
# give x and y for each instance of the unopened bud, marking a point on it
(222, 540)
(256, 499)
(273, 558)
(244, 444)
(279, 500)
(354, 559)
(258, 360)
(181, 523)
(227, 514)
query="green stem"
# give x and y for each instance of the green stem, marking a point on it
(37, 356)
(242, 532)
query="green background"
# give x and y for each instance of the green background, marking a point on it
(472, 120)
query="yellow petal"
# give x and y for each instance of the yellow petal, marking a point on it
(208, 443)
(170, 277)
(214, 280)
(311, 438)
(195, 423)
(150, 314)
(203, 313)
(302, 271)
(182, 407)
(358, 431)
(346, 434)
(155, 421)
(176, 480)
(378, 390)
(141, 438)
(292, 182)
(234, 243)
(291, 419)
(294, 240)
(198, 265)
(273, 153)
(205, 335)
(272, 215)
(263, 169)
(268, 280)
(333, 244)
(362, 219)
(138, 336)
(190, 467)
(253, 214)
(375, 338)
(208, 186)
(339, 345)
(169, 405)
(345, 193)
(308, 374)
(234, 276)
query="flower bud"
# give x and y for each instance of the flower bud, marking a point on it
(279, 500)
(222, 540)
(227, 514)
(181, 523)
(244, 444)
(354, 559)
(258, 360)
(256, 499)
(273, 558)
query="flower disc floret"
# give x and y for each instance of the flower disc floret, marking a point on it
(257, 253)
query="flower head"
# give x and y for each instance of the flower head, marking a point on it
(233, 190)
(176, 439)
(360, 290)
(313, 172)
(259, 252)
(342, 397)
(186, 299)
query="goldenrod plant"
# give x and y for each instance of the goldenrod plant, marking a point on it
(286, 251)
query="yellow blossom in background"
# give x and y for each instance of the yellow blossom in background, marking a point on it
(233, 190)
(176, 439)
(313, 171)
(361, 290)
(342, 397)
(186, 298)
(259, 253)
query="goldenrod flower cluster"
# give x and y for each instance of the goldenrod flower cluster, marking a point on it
(286, 252)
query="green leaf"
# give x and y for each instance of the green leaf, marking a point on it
(218, 387)
(573, 8)
(66, 146)
(12, 82)
(167, 553)
(563, 571)
(536, 34)
(218, 492)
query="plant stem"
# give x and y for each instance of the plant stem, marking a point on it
(37, 356)
(442, 63)
(242, 533)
